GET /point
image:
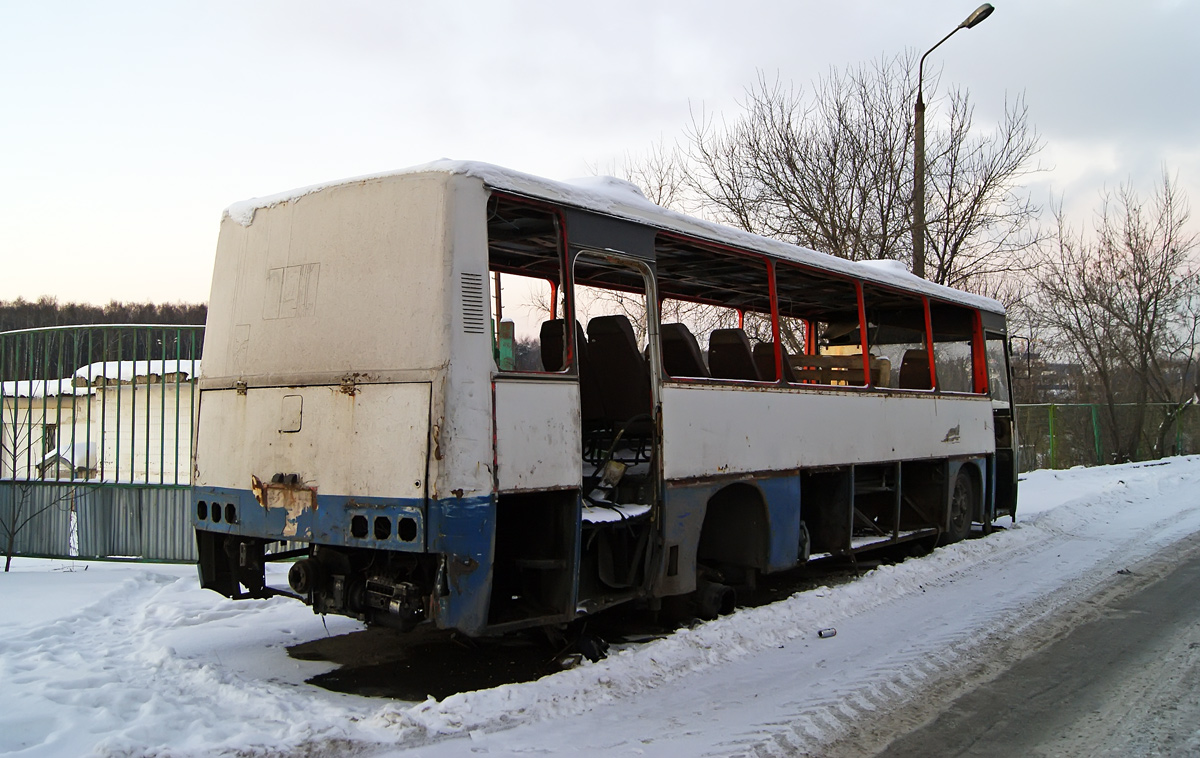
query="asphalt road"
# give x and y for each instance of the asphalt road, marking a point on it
(1122, 678)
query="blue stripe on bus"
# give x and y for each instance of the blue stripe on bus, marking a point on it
(686, 504)
(461, 529)
(782, 494)
(329, 523)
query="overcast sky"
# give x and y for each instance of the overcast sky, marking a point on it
(128, 127)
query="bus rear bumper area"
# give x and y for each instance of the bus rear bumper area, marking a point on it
(291, 512)
(416, 562)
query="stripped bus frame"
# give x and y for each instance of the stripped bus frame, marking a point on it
(360, 398)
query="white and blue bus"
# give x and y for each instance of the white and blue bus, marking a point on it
(470, 397)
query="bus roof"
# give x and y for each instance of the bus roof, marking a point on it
(621, 199)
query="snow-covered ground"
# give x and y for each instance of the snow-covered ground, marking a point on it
(114, 659)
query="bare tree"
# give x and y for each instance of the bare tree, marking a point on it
(33, 482)
(831, 169)
(19, 507)
(980, 217)
(24, 507)
(826, 171)
(1126, 305)
(659, 172)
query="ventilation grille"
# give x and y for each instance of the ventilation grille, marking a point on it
(472, 304)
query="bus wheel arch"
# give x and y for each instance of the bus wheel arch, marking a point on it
(736, 529)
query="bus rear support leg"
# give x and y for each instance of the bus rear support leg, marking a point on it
(229, 562)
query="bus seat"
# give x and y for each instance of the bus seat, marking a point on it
(730, 357)
(914, 371)
(553, 353)
(623, 375)
(764, 359)
(681, 352)
(590, 400)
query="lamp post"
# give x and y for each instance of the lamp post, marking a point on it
(918, 226)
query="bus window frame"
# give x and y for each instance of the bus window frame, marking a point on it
(983, 377)
(977, 348)
(1004, 339)
(735, 253)
(570, 369)
(811, 339)
(926, 335)
(647, 271)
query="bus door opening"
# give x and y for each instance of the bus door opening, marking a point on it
(619, 445)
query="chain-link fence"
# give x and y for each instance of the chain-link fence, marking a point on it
(1055, 435)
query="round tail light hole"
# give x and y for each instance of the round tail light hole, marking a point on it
(358, 527)
(406, 529)
(202, 511)
(383, 527)
(230, 513)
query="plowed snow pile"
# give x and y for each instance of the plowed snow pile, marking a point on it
(114, 659)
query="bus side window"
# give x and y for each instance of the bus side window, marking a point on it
(714, 311)
(525, 286)
(896, 338)
(997, 368)
(953, 343)
(520, 306)
(819, 326)
(718, 340)
(793, 341)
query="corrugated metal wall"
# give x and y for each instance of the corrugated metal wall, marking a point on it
(41, 514)
(140, 522)
(166, 526)
(150, 523)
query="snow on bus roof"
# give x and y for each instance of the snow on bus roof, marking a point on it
(616, 197)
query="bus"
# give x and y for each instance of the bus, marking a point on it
(469, 397)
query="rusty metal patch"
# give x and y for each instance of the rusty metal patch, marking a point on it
(287, 493)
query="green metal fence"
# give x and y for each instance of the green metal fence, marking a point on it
(1062, 435)
(95, 440)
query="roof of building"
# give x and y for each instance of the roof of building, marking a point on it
(97, 374)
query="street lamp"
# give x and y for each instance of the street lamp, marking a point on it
(918, 227)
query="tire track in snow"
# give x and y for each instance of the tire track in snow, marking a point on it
(937, 668)
(672, 662)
